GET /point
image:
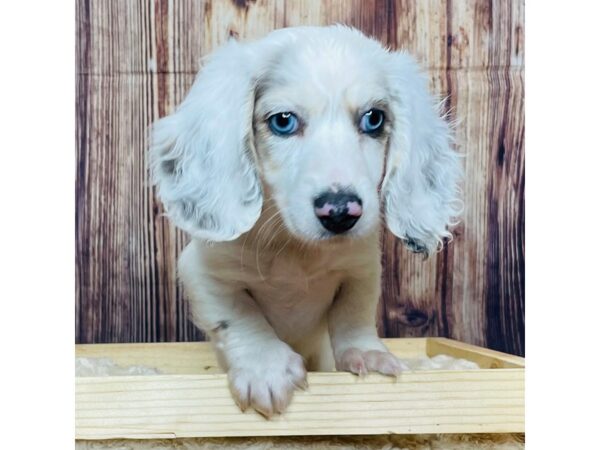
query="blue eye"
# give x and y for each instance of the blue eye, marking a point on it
(372, 121)
(283, 124)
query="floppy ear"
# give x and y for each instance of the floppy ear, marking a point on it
(420, 187)
(202, 155)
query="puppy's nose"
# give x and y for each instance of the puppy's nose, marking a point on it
(338, 211)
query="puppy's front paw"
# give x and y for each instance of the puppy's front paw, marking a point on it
(361, 362)
(267, 381)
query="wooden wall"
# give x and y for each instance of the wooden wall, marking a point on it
(135, 61)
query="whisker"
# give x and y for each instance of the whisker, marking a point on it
(278, 224)
(283, 246)
(266, 209)
(258, 235)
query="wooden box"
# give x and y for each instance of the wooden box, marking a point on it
(190, 397)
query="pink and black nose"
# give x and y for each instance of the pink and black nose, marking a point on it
(338, 211)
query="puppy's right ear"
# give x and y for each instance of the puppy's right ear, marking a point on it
(202, 157)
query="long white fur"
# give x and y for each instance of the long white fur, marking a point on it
(273, 291)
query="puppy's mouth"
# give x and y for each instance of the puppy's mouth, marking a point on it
(337, 237)
(320, 235)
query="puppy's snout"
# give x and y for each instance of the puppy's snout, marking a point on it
(338, 211)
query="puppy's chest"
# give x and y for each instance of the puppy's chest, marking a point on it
(295, 292)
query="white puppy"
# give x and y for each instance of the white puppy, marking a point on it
(278, 164)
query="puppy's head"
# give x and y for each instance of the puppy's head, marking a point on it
(325, 121)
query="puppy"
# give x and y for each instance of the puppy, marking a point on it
(280, 164)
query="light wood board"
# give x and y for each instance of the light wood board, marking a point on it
(198, 403)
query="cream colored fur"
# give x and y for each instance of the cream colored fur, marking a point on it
(275, 293)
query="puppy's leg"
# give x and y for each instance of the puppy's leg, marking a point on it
(356, 346)
(262, 370)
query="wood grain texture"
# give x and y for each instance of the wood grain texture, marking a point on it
(191, 399)
(174, 406)
(135, 61)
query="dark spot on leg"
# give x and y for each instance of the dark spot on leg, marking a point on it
(221, 326)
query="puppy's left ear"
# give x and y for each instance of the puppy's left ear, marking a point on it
(420, 187)
(202, 155)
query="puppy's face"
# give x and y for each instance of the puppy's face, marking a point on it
(309, 117)
(321, 128)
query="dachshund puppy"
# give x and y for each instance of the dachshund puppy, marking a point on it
(280, 163)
